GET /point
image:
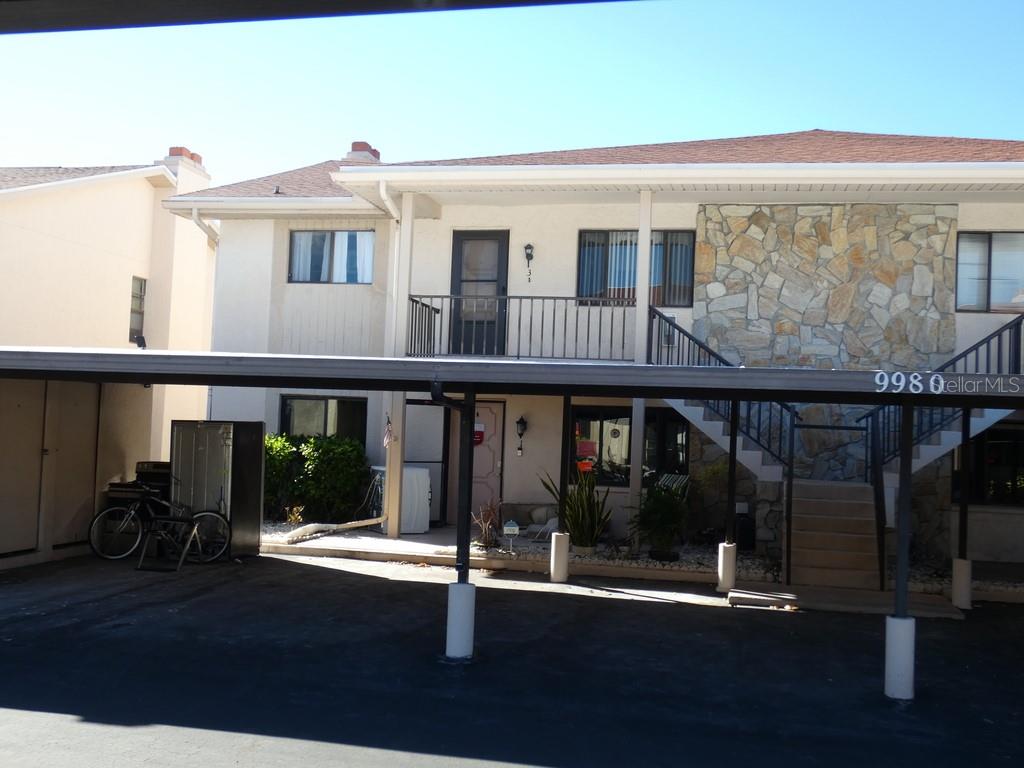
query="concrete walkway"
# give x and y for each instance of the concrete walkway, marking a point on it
(323, 662)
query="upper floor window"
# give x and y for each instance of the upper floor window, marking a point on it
(321, 256)
(607, 266)
(990, 272)
(138, 310)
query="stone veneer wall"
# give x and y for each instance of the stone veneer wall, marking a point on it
(856, 285)
(853, 285)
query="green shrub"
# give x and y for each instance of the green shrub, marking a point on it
(326, 476)
(334, 479)
(662, 515)
(281, 467)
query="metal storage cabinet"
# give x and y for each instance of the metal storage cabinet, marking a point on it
(219, 465)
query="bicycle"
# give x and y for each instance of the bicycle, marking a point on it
(116, 532)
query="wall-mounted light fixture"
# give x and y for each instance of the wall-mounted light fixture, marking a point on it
(521, 427)
(528, 250)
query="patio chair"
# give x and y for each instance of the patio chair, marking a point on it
(543, 532)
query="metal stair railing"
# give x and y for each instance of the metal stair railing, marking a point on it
(999, 353)
(771, 425)
(767, 424)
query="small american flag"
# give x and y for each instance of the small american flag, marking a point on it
(389, 436)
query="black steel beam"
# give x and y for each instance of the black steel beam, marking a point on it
(730, 504)
(490, 376)
(965, 482)
(19, 16)
(467, 413)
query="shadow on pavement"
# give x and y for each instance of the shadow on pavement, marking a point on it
(284, 648)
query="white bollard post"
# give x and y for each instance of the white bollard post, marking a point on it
(899, 657)
(559, 558)
(461, 617)
(961, 584)
(726, 567)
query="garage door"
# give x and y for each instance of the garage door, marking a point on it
(22, 405)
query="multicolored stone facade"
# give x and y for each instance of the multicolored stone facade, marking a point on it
(854, 285)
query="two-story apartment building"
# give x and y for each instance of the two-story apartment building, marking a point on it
(817, 248)
(90, 258)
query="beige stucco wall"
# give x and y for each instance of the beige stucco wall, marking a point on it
(553, 230)
(68, 255)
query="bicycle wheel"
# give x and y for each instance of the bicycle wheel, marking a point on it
(115, 532)
(214, 536)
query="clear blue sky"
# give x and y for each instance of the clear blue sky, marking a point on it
(262, 97)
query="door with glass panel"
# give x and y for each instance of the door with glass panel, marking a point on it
(479, 293)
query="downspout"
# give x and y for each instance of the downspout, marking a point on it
(388, 202)
(211, 233)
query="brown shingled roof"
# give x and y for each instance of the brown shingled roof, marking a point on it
(311, 181)
(11, 178)
(815, 146)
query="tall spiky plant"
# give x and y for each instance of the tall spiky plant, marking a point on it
(583, 512)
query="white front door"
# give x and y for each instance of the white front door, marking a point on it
(487, 453)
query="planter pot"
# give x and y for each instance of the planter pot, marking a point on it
(664, 555)
(583, 551)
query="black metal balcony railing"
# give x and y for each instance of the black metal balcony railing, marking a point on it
(552, 327)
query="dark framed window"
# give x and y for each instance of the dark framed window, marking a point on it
(137, 317)
(601, 436)
(996, 459)
(990, 272)
(323, 256)
(606, 266)
(311, 415)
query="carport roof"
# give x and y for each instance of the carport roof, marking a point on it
(494, 376)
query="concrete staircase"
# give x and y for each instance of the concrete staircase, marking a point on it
(748, 453)
(834, 540)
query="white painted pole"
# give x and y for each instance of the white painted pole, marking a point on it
(461, 620)
(559, 558)
(643, 278)
(961, 584)
(899, 657)
(726, 567)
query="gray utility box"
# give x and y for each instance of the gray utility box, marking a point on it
(218, 465)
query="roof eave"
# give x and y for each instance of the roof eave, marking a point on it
(150, 171)
(641, 174)
(266, 206)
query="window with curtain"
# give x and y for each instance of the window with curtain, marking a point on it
(344, 256)
(990, 272)
(324, 416)
(606, 267)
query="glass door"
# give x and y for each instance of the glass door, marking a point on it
(479, 293)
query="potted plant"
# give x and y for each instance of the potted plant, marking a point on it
(661, 517)
(583, 513)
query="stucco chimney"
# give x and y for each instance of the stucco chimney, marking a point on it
(363, 151)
